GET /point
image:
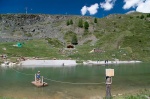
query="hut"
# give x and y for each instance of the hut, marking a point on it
(70, 46)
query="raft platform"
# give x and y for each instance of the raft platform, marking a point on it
(39, 83)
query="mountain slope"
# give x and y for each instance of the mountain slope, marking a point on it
(125, 37)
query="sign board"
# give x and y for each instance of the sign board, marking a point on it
(110, 72)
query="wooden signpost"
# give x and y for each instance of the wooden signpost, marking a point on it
(109, 75)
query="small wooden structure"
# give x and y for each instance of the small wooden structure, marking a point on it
(110, 72)
(39, 83)
(70, 46)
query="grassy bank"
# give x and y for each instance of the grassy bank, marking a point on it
(144, 94)
(42, 49)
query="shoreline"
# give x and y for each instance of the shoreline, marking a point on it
(48, 63)
(58, 63)
(71, 62)
(109, 62)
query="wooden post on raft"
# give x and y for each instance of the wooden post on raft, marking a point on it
(109, 74)
(35, 78)
(42, 80)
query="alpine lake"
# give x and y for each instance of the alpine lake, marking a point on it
(73, 82)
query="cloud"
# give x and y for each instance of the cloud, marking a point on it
(93, 9)
(130, 3)
(139, 5)
(83, 10)
(108, 4)
(144, 7)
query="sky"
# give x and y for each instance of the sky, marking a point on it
(95, 8)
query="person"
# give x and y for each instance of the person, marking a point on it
(38, 76)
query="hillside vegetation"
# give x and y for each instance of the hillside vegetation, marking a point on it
(123, 37)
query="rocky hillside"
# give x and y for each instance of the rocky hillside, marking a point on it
(29, 26)
(125, 37)
(34, 26)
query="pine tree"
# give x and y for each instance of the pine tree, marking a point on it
(86, 25)
(68, 23)
(95, 20)
(71, 22)
(74, 40)
(142, 16)
(148, 15)
(80, 23)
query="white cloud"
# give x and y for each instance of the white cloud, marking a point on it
(130, 3)
(83, 10)
(93, 9)
(139, 5)
(144, 7)
(108, 4)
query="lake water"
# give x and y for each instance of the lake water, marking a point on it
(78, 82)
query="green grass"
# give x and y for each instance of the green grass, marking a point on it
(144, 94)
(54, 42)
(68, 36)
(41, 48)
(32, 48)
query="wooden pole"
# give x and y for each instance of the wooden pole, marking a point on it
(42, 80)
(108, 87)
(108, 91)
(109, 74)
(35, 78)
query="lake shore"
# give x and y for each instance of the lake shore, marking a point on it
(57, 63)
(48, 63)
(109, 62)
(70, 62)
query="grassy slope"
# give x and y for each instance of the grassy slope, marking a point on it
(124, 37)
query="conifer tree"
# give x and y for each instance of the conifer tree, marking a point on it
(74, 40)
(86, 25)
(95, 20)
(80, 23)
(68, 23)
(71, 22)
(142, 16)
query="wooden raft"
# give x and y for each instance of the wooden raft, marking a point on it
(39, 83)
